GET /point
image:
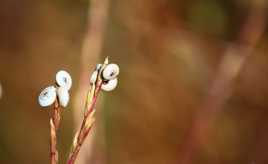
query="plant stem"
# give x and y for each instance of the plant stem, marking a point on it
(54, 126)
(86, 124)
(98, 14)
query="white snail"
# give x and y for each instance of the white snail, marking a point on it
(93, 77)
(98, 66)
(47, 96)
(110, 72)
(110, 85)
(63, 79)
(63, 96)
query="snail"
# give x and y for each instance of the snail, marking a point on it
(110, 72)
(93, 77)
(61, 91)
(98, 67)
(47, 96)
(109, 85)
(63, 79)
(63, 96)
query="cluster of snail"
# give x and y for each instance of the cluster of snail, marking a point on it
(60, 91)
(109, 76)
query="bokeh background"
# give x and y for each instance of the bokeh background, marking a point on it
(177, 101)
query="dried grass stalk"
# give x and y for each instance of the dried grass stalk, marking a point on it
(89, 119)
(54, 126)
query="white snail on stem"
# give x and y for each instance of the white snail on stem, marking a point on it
(63, 79)
(98, 67)
(110, 72)
(47, 97)
(110, 85)
(93, 77)
(104, 78)
(63, 96)
(59, 96)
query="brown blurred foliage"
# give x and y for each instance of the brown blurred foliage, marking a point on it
(169, 53)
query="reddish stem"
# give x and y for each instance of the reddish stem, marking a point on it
(54, 126)
(84, 130)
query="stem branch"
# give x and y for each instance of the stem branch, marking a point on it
(86, 124)
(54, 126)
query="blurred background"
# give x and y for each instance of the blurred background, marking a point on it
(192, 85)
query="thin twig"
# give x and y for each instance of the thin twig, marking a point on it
(84, 130)
(91, 50)
(54, 126)
(221, 88)
(88, 117)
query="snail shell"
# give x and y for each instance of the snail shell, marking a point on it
(64, 79)
(63, 96)
(110, 72)
(98, 66)
(47, 96)
(110, 85)
(93, 77)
